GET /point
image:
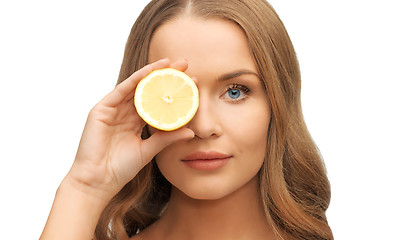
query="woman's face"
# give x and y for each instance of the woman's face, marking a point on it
(232, 120)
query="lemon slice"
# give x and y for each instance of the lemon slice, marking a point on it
(166, 99)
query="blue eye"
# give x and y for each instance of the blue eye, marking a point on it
(234, 93)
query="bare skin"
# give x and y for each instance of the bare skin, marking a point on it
(231, 217)
(220, 204)
(110, 154)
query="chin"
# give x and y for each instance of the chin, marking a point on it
(206, 196)
(205, 193)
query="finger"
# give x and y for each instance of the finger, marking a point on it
(159, 140)
(180, 65)
(122, 90)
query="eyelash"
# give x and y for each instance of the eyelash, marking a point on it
(239, 87)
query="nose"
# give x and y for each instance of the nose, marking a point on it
(205, 122)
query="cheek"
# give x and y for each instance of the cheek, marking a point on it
(247, 132)
(249, 126)
(166, 157)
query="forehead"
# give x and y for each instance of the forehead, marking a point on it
(201, 40)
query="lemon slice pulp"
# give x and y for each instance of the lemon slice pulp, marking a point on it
(166, 99)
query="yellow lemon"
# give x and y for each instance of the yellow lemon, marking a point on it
(166, 99)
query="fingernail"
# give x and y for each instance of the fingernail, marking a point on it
(190, 134)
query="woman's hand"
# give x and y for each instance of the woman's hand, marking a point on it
(110, 154)
(111, 151)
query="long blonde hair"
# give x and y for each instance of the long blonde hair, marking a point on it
(295, 190)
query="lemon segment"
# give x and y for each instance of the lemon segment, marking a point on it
(166, 99)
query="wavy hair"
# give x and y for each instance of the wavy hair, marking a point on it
(294, 187)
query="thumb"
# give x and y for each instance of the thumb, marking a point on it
(161, 139)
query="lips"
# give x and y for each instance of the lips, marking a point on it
(206, 161)
(205, 156)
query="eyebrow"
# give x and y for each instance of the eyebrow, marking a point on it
(236, 74)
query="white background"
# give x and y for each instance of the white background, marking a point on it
(360, 72)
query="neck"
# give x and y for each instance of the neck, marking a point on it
(239, 215)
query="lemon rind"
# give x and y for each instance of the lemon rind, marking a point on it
(155, 123)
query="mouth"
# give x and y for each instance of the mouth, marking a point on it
(206, 161)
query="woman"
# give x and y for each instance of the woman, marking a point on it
(245, 167)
